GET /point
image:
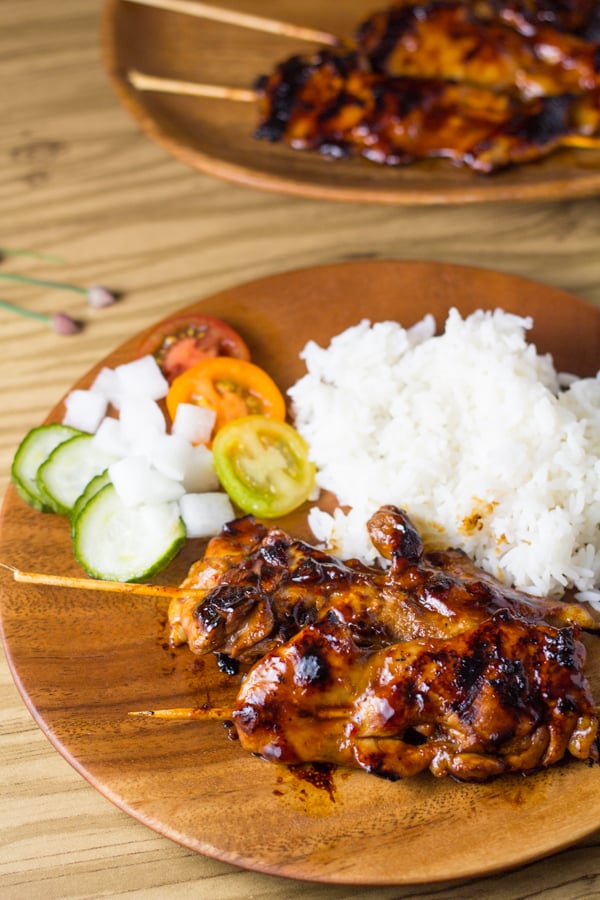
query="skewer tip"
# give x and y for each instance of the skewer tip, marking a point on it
(189, 713)
(241, 19)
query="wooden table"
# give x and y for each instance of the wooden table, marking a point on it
(79, 183)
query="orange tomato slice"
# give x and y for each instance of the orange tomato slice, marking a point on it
(231, 387)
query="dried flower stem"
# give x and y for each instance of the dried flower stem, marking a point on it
(43, 282)
(28, 313)
(47, 257)
(60, 322)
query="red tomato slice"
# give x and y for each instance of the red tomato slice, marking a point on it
(180, 342)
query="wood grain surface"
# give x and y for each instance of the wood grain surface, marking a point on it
(81, 184)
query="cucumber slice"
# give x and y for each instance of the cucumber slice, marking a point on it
(34, 449)
(68, 469)
(91, 489)
(115, 542)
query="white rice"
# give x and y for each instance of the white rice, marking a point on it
(471, 433)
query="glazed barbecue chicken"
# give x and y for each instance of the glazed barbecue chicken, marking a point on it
(447, 40)
(505, 696)
(257, 587)
(581, 17)
(428, 664)
(333, 104)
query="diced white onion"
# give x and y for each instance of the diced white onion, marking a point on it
(110, 438)
(84, 410)
(107, 383)
(141, 421)
(200, 473)
(194, 423)
(171, 455)
(143, 378)
(205, 514)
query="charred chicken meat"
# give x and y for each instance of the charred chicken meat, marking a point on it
(485, 84)
(330, 104)
(256, 587)
(504, 696)
(448, 40)
(429, 663)
(580, 17)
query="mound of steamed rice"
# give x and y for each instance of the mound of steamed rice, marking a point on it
(472, 431)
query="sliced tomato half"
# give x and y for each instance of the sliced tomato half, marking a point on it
(233, 388)
(264, 466)
(180, 342)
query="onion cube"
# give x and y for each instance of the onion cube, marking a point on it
(84, 410)
(143, 378)
(205, 514)
(200, 472)
(110, 438)
(107, 383)
(194, 423)
(141, 421)
(170, 454)
(136, 482)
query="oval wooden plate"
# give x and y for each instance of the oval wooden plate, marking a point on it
(82, 660)
(215, 136)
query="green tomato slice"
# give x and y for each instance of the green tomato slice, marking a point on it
(263, 465)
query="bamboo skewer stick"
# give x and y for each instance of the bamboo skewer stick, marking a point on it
(143, 82)
(189, 713)
(244, 20)
(223, 713)
(92, 584)
(582, 141)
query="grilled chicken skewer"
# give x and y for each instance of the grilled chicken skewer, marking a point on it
(505, 696)
(261, 586)
(580, 17)
(445, 39)
(451, 40)
(255, 588)
(576, 17)
(453, 67)
(329, 104)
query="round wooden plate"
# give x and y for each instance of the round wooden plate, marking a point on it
(82, 660)
(215, 136)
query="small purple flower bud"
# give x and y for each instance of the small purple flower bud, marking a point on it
(64, 324)
(99, 296)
